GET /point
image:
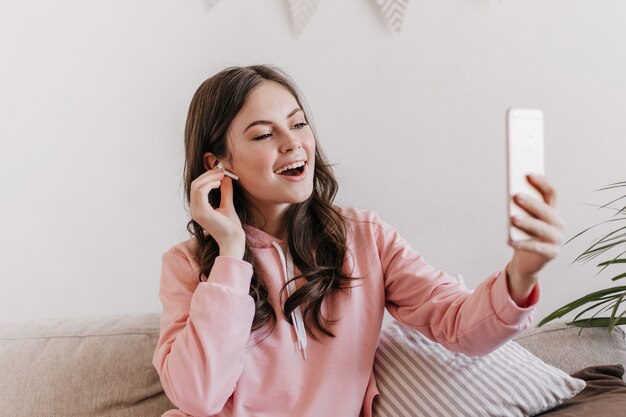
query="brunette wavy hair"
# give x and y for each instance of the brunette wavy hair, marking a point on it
(316, 231)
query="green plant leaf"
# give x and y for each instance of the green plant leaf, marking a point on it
(603, 309)
(590, 320)
(614, 185)
(614, 261)
(601, 207)
(616, 320)
(618, 277)
(607, 238)
(606, 266)
(596, 322)
(594, 306)
(609, 299)
(616, 306)
(595, 225)
(593, 252)
(611, 202)
(594, 296)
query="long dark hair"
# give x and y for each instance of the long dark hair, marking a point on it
(316, 231)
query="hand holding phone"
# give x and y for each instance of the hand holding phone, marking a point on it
(525, 155)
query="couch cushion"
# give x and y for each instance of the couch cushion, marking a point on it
(572, 348)
(98, 366)
(604, 395)
(418, 377)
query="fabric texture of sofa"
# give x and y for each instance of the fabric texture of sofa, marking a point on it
(101, 366)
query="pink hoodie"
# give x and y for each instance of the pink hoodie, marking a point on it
(210, 364)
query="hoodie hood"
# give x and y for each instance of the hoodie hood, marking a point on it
(259, 239)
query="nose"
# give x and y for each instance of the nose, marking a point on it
(290, 143)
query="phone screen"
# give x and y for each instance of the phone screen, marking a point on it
(525, 150)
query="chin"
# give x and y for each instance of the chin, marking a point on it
(301, 198)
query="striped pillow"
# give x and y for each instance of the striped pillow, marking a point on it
(418, 377)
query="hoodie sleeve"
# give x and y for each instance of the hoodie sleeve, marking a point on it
(436, 304)
(204, 329)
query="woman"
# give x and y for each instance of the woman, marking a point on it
(275, 304)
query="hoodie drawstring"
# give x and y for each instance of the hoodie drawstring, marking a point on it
(296, 314)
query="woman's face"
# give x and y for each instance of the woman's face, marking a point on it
(269, 133)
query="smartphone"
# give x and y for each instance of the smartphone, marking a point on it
(525, 155)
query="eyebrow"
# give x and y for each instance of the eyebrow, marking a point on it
(267, 122)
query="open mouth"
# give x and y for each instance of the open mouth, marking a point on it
(293, 172)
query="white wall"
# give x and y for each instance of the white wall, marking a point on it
(93, 98)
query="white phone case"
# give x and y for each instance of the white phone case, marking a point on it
(525, 155)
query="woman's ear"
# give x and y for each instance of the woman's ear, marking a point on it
(210, 161)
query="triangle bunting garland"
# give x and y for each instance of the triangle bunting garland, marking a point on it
(393, 11)
(301, 12)
(210, 3)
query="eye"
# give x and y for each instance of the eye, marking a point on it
(302, 124)
(267, 135)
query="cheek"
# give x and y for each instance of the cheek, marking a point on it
(259, 163)
(309, 142)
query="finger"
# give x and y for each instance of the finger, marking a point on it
(537, 228)
(210, 172)
(226, 193)
(203, 192)
(204, 178)
(544, 187)
(547, 250)
(539, 209)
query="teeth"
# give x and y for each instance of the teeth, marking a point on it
(292, 166)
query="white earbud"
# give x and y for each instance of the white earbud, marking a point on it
(226, 172)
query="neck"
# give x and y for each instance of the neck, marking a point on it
(272, 220)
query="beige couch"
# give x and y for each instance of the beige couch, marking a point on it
(101, 366)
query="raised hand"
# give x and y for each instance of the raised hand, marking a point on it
(221, 223)
(545, 227)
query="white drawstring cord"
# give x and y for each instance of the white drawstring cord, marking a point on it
(299, 322)
(296, 314)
